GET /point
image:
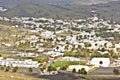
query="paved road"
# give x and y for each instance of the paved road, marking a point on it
(112, 79)
(60, 76)
(104, 71)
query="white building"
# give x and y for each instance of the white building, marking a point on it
(17, 63)
(104, 62)
(47, 34)
(117, 62)
(78, 67)
(70, 58)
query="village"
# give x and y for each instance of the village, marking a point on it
(52, 45)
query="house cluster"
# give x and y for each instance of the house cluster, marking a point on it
(18, 63)
(54, 35)
(117, 62)
(3, 9)
(53, 38)
(29, 54)
(70, 59)
(4, 19)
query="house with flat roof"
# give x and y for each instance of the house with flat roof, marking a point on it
(78, 67)
(99, 61)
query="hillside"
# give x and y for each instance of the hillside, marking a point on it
(107, 10)
(49, 10)
(13, 3)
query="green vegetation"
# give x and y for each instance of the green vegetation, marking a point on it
(64, 64)
(40, 60)
(44, 66)
(84, 52)
(15, 69)
(86, 29)
(6, 55)
(30, 70)
(87, 44)
(105, 34)
(93, 69)
(75, 29)
(37, 10)
(51, 68)
(2, 68)
(83, 71)
(7, 69)
(6, 23)
(80, 71)
(74, 70)
(0, 55)
(24, 45)
(116, 71)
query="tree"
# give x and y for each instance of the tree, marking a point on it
(116, 71)
(0, 55)
(68, 53)
(51, 68)
(79, 71)
(115, 55)
(57, 47)
(30, 70)
(15, 69)
(87, 44)
(65, 67)
(105, 45)
(83, 71)
(95, 53)
(44, 66)
(66, 47)
(7, 69)
(74, 70)
(2, 67)
(79, 46)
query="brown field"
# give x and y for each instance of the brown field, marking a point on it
(15, 76)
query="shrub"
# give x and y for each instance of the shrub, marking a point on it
(83, 71)
(15, 69)
(30, 70)
(74, 70)
(116, 71)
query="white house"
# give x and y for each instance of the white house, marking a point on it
(47, 34)
(70, 58)
(104, 62)
(78, 67)
(17, 63)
